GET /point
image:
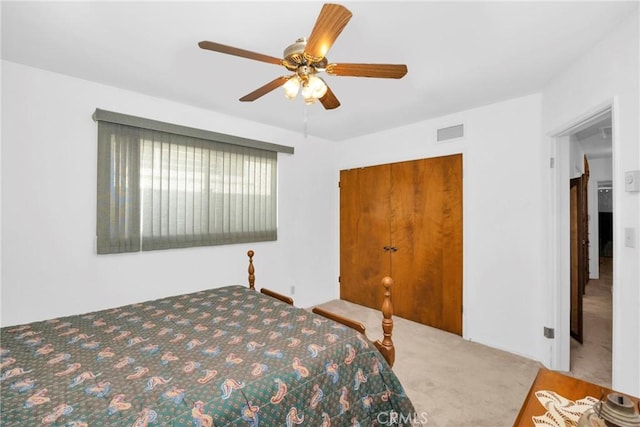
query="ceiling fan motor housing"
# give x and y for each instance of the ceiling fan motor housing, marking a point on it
(294, 58)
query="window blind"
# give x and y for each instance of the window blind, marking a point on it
(158, 189)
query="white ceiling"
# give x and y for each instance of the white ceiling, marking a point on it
(460, 55)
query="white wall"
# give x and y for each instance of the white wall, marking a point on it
(609, 73)
(502, 225)
(49, 265)
(599, 170)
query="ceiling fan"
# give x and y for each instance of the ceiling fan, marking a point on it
(307, 57)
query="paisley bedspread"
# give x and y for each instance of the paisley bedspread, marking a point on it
(226, 357)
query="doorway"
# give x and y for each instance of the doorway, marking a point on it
(592, 359)
(584, 149)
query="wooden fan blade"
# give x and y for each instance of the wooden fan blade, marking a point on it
(385, 71)
(329, 100)
(330, 23)
(230, 50)
(263, 90)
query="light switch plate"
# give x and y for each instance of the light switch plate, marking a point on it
(630, 237)
(632, 181)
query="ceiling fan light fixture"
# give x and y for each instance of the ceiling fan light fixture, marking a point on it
(291, 87)
(314, 88)
(309, 101)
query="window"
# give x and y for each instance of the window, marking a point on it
(164, 186)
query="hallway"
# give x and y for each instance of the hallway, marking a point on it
(592, 360)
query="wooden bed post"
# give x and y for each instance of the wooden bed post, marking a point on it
(252, 278)
(386, 346)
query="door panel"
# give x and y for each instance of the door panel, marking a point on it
(576, 257)
(452, 244)
(364, 231)
(585, 222)
(426, 212)
(416, 231)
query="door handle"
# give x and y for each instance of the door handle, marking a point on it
(393, 249)
(386, 248)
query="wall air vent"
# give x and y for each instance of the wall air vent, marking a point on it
(450, 132)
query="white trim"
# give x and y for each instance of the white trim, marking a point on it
(618, 239)
(583, 120)
(558, 256)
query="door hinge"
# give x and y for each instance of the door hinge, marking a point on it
(549, 332)
(338, 279)
(552, 162)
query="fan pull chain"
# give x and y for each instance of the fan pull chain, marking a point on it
(305, 120)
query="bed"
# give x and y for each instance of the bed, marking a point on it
(229, 356)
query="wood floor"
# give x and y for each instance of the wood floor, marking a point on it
(591, 361)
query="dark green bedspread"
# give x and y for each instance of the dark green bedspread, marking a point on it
(225, 357)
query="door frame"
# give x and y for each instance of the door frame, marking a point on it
(558, 258)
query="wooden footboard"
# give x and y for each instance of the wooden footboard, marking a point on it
(340, 319)
(386, 347)
(252, 277)
(252, 283)
(278, 296)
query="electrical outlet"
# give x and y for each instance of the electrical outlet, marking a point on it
(293, 290)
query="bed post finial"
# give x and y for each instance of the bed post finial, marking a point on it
(386, 346)
(252, 278)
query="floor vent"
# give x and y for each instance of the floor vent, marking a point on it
(450, 132)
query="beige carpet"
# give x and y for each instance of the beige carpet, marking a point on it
(453, 381)
(456, 382)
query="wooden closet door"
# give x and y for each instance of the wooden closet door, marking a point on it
(414, 208)
(426, 229)
(364, 231)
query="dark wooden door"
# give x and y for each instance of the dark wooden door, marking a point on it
(364, 231)
(585, 222)
(426, 229)
(423, 211)
(577, 248)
